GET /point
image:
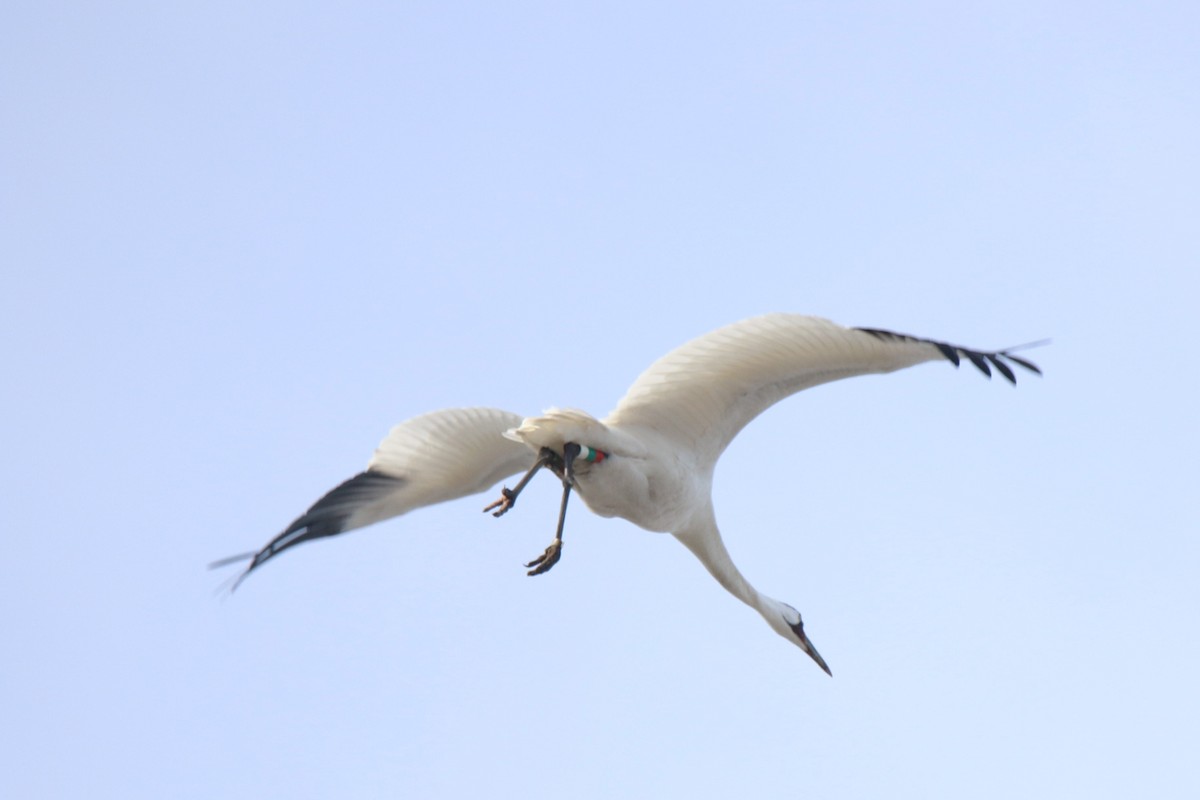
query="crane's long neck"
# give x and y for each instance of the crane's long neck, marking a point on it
(704, 540)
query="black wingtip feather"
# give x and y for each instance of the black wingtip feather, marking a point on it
(979, 361)
(1029, 365)
(225, 562)
(1002, 368)
(326, 517)
(979, 358)
(949, 352)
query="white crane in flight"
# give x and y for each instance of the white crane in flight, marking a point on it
(650, 461)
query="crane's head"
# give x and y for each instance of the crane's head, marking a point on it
(787, 623)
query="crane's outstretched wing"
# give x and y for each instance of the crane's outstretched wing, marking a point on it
(701, 394)
(428, 459)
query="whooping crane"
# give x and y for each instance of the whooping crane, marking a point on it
(650, 461)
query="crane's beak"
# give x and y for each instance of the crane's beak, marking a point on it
(812, 651)
(807, 647)
(571, 451)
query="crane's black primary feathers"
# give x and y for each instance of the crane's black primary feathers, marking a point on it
(326, 517)
(953, 352)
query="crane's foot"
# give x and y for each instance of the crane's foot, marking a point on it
(546, 560)
(508, 498)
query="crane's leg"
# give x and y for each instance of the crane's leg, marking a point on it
(508, 497)
(548, 559)
(560, 466)
(564, 469)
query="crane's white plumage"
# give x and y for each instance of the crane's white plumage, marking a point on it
(657, 449)
(701, 394)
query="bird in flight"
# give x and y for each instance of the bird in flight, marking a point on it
(650, 461)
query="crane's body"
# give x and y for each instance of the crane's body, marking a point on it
(650, 461)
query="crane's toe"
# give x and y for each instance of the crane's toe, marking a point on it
(508, 498)
(546, 560)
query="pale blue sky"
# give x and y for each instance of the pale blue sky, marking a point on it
(241, 240)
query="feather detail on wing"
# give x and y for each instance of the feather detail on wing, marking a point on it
(428, 459)
(702, 393)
